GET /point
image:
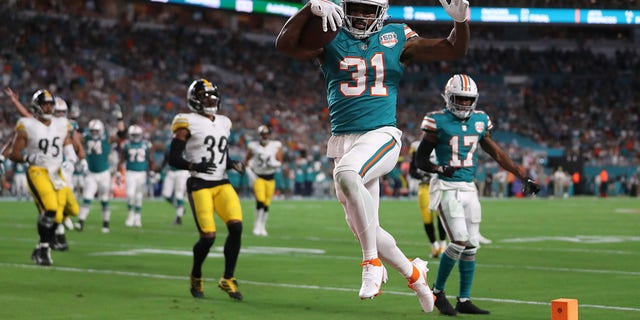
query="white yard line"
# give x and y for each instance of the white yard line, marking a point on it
(286, 285)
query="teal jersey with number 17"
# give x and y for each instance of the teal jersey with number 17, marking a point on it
(362, 78)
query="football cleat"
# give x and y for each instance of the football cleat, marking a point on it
(374, 274)
(41, 255)
(105, 227)
(435, 252)
(68, 223)
(79, 225)
(421, 287)
(130, 220)
(197, 289)
(230, 286)
(60, 243)
(443, 304)
(137, 221)
(469, 308)
(484, 240)
(177, 221)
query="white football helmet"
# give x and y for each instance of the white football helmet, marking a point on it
(135, 133)
(460, 85)
(96, 128)
(60, 108)
(374, 24)
(37, 100)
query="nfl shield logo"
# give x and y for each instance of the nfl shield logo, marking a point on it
(388, 39)
(479, 127)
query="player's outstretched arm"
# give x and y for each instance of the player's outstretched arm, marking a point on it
(22, 110)
(529, 186)
(288, 40)
(453, 47)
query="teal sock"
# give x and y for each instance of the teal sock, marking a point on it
(467, 268)
(446, 265)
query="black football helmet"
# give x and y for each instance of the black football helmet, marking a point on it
(203, 97)
(39, 98)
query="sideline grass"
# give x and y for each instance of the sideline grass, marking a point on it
(543, 249)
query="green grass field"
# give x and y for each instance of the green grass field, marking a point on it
(308, 267)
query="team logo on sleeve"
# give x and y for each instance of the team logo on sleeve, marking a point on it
(389, 39)
(479, 127)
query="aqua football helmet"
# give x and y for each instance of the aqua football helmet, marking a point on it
(376, 13)
(41, 97)
(461, 87)
(203, 97)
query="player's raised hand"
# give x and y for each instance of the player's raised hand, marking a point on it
(456, 9)
(529, 187)
(330, 13)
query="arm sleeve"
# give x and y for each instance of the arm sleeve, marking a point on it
(422, 156)
(175, 155)
(413, 169)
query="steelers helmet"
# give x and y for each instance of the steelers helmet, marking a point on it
(203, 97)
(39, 98)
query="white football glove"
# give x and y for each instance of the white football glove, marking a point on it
(457, 9)
(2, 170)
(67, 166)
(329, 12)
(31, 158)
(83, 166)
(273, 163)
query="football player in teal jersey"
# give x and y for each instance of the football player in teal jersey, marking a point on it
(174, 186)
(362, 67)
(97, 143)
(455, 133)
(136, 158)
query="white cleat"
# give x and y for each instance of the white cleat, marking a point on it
(374, 274)
(421, 286)
(137, 222)
(130, 220)
(105, 230)
(484, 240)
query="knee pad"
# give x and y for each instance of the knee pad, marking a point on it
(347, 181)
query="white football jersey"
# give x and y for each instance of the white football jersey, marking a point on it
(263, 156)
(208, 140)
(45, 141)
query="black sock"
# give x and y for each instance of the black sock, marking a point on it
(200, 252)
(232, 249)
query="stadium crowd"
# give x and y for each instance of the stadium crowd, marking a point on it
(569, 94)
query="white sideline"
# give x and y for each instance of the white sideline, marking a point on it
(286, 285)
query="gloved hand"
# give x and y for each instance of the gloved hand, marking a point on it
(31, 158)
(2, 169)
(204, 167)
(117, 112)
(329, 12)
(82, 166)
(446, 171)
(67, 166)
(529, 187)
(273, 163)
(237, 166)
(457, 9)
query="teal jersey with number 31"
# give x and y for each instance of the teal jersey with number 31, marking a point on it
(362, 77)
